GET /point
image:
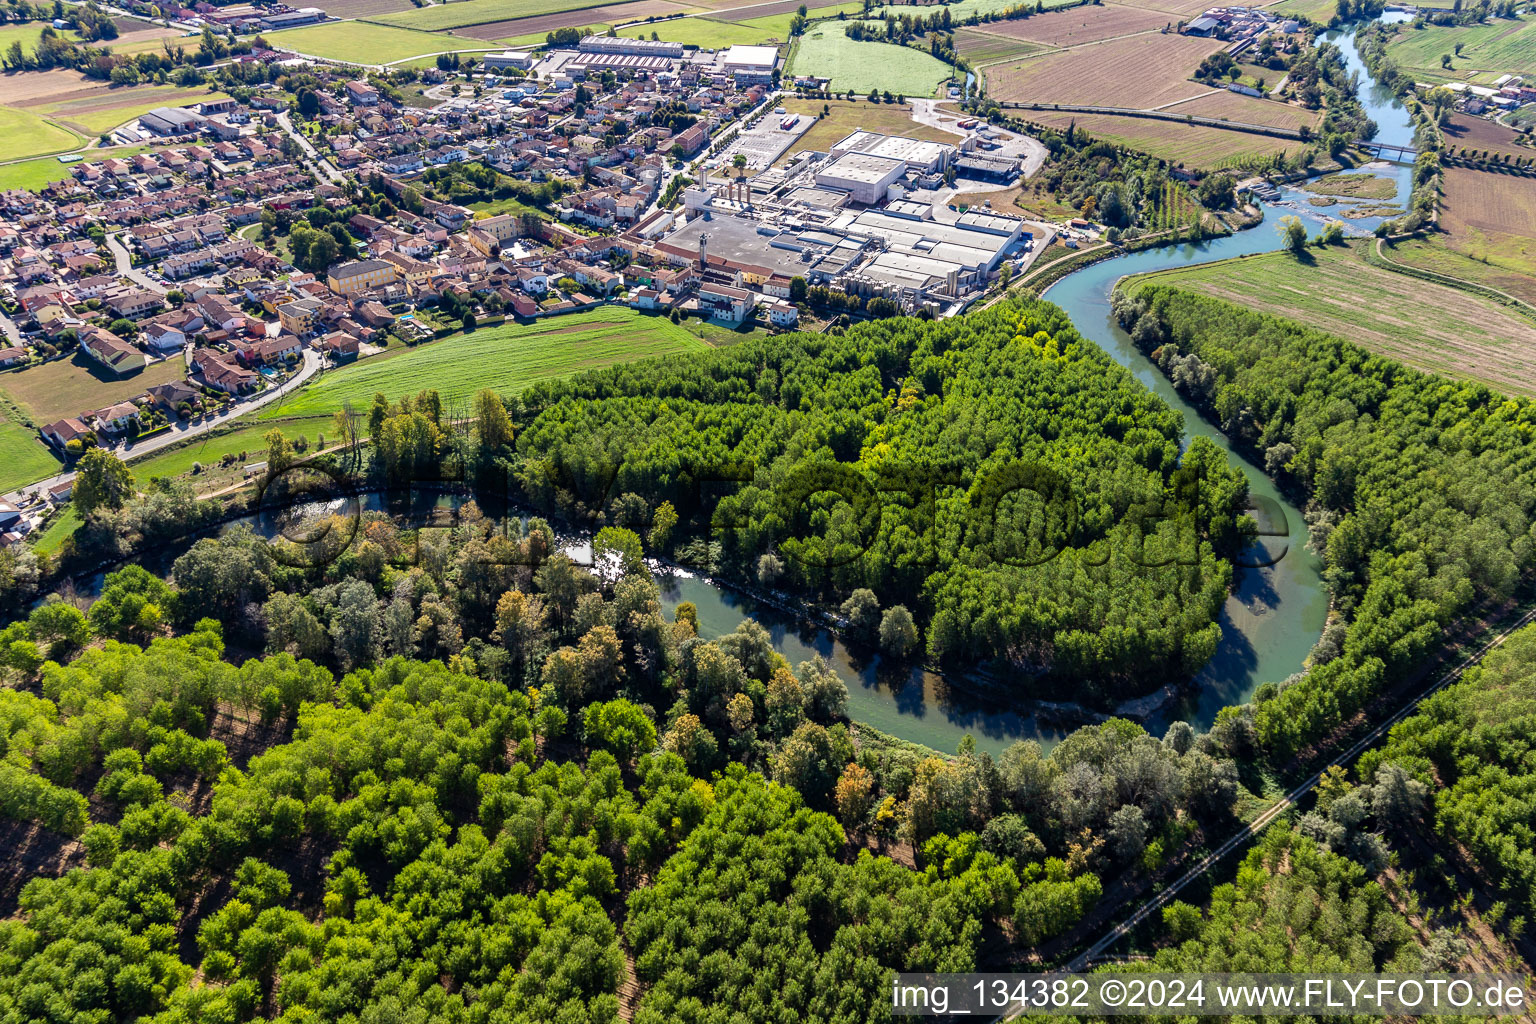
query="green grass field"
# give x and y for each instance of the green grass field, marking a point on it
(1423, 324)
(246, 436)
(23, 133)
(32, 174)
(843, 118)
(68, 387)
(507, 357)
(27, 34)
(64, 524)
(826, 52)
(479, 12)
(708, 34)
(24, 458)
(362, 42)
(1500, 46)
(1434, 254)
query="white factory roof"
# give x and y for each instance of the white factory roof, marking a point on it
(862, 167)
(764, 57)
(895, 147)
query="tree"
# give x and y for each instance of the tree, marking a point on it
(280, 453)
(854, 796)
(133, 606)
(1293, 233)
(621, 727)
(797, 289)
(492, 424)
(898, 633)
(862, 610)
(663, 522)
(102, 481)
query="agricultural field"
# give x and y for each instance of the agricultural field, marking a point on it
(1491, 217)
(1435, 254)
(1176, 9)
(1499, 46)
(1187, 145)
(1140, 71)
(543, 24)
(1080, 25)
(709, 34)
(507, 357)
(1233, 106)
(24, 458)
(844, 118)
(1319, 11)
(366, 42)
(981, 46)
(826, 52)
(68, 387)
(961, 10)
(140, 36)
(23, 133)
(1430, 326)
(820, 9)
(1479, 134)
(477, 12)
(366, 8)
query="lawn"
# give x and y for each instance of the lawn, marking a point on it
(826, 52)
(1501, 46)
(477, 12)
(24, 459)
(1430, 326)
(708, 34)
(32, 174)
(1186, 145)
(68, 387)
(507, 357)
(64, 524)
(23, 133)
(365, 42)
(246, 436)
(845, 118)
(27, 34)
(102, 109)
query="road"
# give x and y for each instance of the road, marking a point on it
(125, 266)
(318, 164)
(1290, 800)
(181, 432)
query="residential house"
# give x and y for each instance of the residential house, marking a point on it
(112, 352)
(361, 276)
(61, 432)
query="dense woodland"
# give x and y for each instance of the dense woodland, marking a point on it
(1418, 489)
(1003, 478)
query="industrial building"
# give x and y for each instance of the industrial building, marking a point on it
(630, 47)
(507, 59)
(867, 179)
(750, 65)
(919, 155)
(173, 121)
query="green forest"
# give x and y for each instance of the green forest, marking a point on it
(998, 475)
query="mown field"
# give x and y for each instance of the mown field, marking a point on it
(27, 34)
(507, 358)
(1189, 145)
(1137, 71)
(1431, 326)
(477, 12)
(1435, 254)
(1499, 46)
(541, 25)
(23, 133)
(845, 118)
(23, 458)
(1491, 217)
(365, 42)
(1233, 106)
(1176, 9)
(709, 34)
(68, 387)
(825, 51)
